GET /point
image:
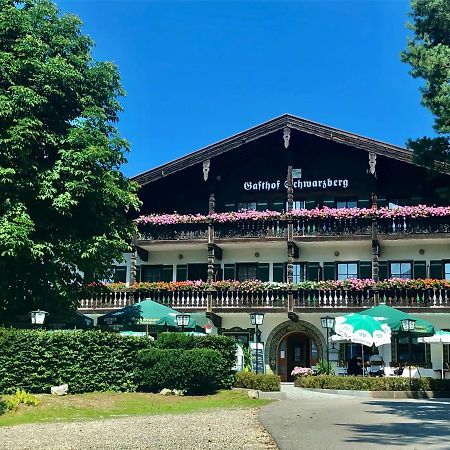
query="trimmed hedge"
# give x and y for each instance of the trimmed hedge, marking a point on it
(225, 345)
(196, 371)
(372, 383)
(86, 360)
(261, 381)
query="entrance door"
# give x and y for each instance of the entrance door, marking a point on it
(296, 349)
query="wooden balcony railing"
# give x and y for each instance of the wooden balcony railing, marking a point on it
(174, 232)
(418, 225)
(302, 227)
(332, 227)
(251, 229)
(271, 299)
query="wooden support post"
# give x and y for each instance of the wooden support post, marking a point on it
(375, 253)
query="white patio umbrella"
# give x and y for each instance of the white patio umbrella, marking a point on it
(439, 336)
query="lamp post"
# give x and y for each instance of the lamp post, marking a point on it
(408, 326)
(38, 317)
(183, 320)
(328, 323)
(256, 320)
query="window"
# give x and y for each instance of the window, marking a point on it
(277, 206)
(400, 270)
(247, 205)
(297, 204)
(299, 272)
(197, 272)
(120, 274)
(347, 270)
(230, 207)
(247, 271)
(262, 206)
(396, 202)
(151, 273)
(346, 204)
(156, 273)
(417, 351)
(447, 271)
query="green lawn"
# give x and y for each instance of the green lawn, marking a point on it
(112, 404)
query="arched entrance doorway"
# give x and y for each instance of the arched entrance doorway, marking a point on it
(295, 349)
(293, 344)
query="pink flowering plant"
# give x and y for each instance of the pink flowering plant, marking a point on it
(302, 372)
(305, 214)
(261, 286)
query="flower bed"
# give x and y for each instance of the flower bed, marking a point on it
(259, 286)
(371, 383)
(308, 214)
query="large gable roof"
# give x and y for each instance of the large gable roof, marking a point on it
(286, 120)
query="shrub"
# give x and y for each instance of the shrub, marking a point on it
(86, 360)
(225, 345)
(324, 368)
(261, 381)
(372, 383)
(196, 371)
(13, 401)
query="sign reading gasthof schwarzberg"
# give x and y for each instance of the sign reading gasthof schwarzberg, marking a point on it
(298, 184)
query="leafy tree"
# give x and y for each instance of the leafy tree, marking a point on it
(65, 207)
(428, 53)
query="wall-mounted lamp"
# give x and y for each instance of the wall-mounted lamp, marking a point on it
(180, 256)
(421, 251)
(336, 253)
(257, 255)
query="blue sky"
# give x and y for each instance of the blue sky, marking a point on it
(196, 72)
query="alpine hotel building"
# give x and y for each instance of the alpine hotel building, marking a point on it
(308, 210)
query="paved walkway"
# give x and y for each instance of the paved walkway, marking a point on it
(328, 422)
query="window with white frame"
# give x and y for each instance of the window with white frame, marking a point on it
(346, 204)
(347, 270)
(447, 271)
(299, 272)
(400, 269)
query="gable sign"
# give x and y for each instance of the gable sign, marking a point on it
(298, 183)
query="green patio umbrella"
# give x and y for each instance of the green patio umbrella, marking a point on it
(146, 312)
(393, 317)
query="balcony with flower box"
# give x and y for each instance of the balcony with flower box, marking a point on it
(306, 224)
(234, 296)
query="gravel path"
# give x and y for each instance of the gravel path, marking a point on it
(230, 429)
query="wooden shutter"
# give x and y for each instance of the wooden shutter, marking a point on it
(382, 270)
(263, 271)
(138, 274)
(167, 273)
(329, 271)
(436, 270)
(278, 275)
(181, 272)
(218, 273)
(420, 269)
(313, 271)
(229, 272)
(365, 269)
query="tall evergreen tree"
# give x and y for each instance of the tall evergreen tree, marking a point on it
(65, 207)
(428, 53)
